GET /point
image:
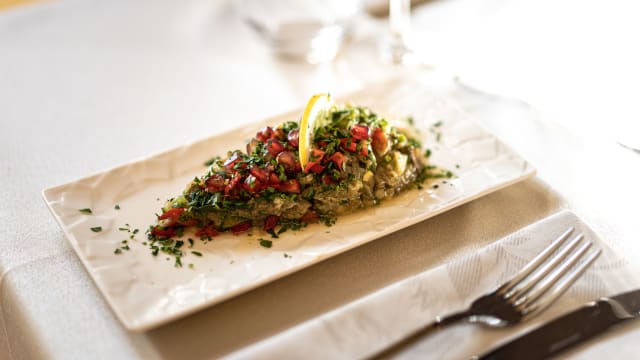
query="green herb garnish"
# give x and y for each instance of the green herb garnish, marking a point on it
(85, 211)
(266, 243)
(96, 229)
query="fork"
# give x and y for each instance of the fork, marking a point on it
(534, 288)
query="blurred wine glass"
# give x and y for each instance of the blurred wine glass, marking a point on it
(398, 47)
(311, 31)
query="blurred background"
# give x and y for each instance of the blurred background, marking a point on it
(181, 65)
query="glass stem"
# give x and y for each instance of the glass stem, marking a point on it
(399, 21)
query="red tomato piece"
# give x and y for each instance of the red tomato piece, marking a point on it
(161, 232)
(294, 138)
(261, 174)
(279, 134)
(288, 160)
(270, 222)
(215, 183)
(364, 148)
(207, 231)
(265, 134)
(328, 180)
(233, 184)
(360, 132)
(379, 141)
(251, 184)
(173, 214)
(339, 159)
(315, 167)
(290, 186)
(349, 144)
(273, 179)
(310, 217)
(316, 155)
(241, 227)
(171, 217)
(274, 147)
(233, 160)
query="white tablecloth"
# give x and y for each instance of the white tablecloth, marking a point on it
(87, 85)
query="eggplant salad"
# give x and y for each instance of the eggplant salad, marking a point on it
(337, 159)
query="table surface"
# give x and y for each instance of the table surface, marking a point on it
(87, 85)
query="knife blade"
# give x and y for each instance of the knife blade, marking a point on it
(570, 329)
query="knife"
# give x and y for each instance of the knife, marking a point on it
(570, 329)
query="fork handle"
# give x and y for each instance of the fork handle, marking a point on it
(438, 324)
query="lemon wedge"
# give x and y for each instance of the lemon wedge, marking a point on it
(313, 117)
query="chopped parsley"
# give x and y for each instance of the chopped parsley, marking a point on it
(96, 229)
(117, 207)
(266, 243)
(86, 211)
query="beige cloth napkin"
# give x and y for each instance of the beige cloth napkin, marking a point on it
(372, 323)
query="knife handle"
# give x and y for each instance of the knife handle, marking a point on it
(561, 333)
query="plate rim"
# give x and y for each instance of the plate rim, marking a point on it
(141, 326)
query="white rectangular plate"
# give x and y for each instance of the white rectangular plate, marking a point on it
(146, 291)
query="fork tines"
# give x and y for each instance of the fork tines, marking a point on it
(549, 274)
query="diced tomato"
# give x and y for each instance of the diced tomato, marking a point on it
(294, 138)
(251, 184)
(207, 231)
(233, 160)
(170, 217)
(339, 159)
(265, 134)
(379, 141)
(274, 147)
(162, 232)
(310, 217)
(273, 179)
(241, 227)
(349, 144)
(279, 134)
(171, 214)
(360, 132)
(290, 186)
(328, 180)
(215, 183)
(314, 166)
(364, 148)
(322, 144)
(316, 155)
(260, 174)
(270, 222)
(288, 160)
(233, 184)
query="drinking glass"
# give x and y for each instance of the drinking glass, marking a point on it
(302, 30)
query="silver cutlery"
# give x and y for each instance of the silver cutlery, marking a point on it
(534, 288)
(570, 329)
